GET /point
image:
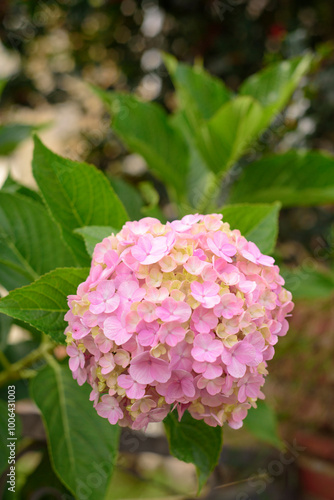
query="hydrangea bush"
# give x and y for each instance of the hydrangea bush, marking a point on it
(179, 316)
(165, 320)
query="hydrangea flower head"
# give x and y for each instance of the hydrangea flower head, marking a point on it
(182, 316)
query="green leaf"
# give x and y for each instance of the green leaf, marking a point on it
(129, 196)
(228, 134)
(83, 446)
(43, 303)
(12, 186)
(258, 223)
(30, 241)
(5, 325)
(262, 423)
(12, 134)
(93, 235)
(4, 450)
(274, 85)
(293, 178)
(77, 195)
(198, 92)
(193, 441)
(199, 176)
(308, 283)
(144, 128)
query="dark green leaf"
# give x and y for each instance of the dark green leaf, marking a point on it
(94, 234)
(193, 441)
(83, 446)
(129, 196)
(77, 195)
(262, 423)
(43, 304)
(274, 85)
(30, 241)
(5, 325)
(258, 223)
(228, 134)
(145, 129)
(293, 178)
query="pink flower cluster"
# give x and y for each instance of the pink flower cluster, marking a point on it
(183, 315)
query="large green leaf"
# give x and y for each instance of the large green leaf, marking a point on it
(199, 93)
(308, 283)
(94, 234)
(30, 241)
(43, 304)
(4, 434)
(83, 446)
(77, 195)
(262, 423)
(274, 85)
(224, 138)
(293, 178)
(144, 128)
(193, 441)
(258, 223)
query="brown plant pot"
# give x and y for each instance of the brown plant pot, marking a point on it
(316, 465)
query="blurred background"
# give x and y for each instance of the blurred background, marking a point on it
(49, 51)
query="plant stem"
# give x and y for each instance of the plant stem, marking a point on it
(51, 361)
(18, 370)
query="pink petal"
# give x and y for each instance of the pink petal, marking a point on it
(145, 369)
(246, 353)
(236, 368)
